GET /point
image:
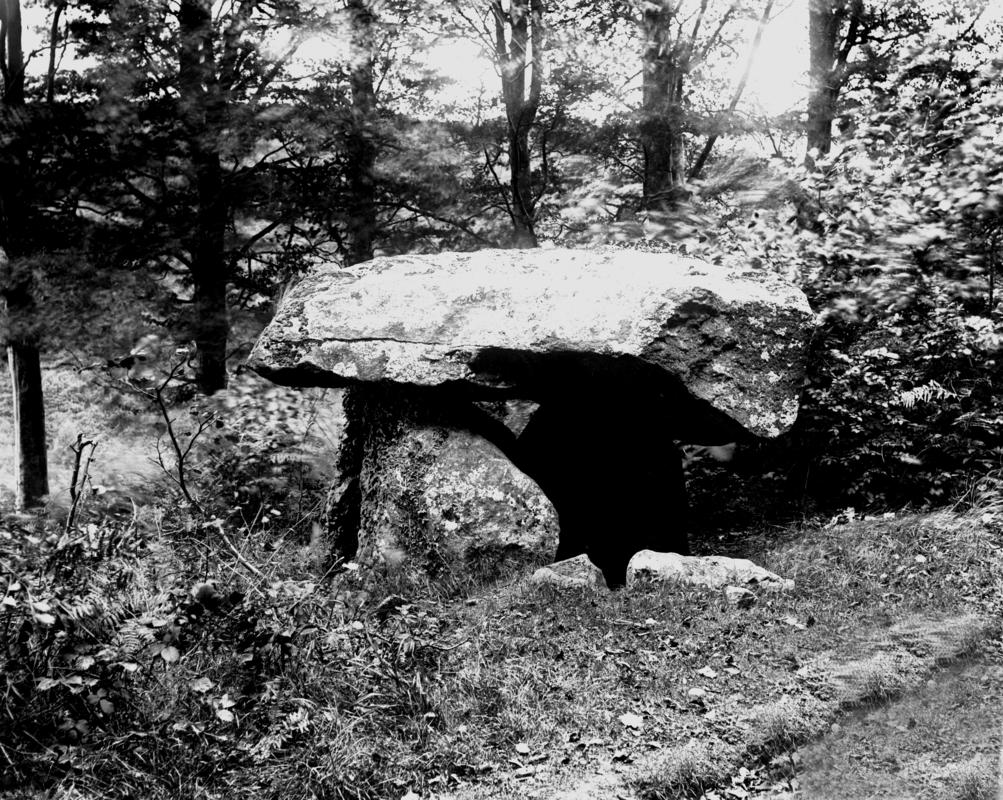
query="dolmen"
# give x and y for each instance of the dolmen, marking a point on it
(507, 408)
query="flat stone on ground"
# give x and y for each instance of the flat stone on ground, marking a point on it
(711, 572)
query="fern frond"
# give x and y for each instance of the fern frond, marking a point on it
(925, 394)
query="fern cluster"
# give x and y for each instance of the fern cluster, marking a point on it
(72, 630)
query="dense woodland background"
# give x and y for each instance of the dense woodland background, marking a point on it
(167, 169)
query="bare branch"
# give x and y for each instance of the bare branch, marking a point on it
(451, 222)
(715, 37)
(856, 12)
(178, 474)
(737, 95)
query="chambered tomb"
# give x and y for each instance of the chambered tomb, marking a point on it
(510, 407)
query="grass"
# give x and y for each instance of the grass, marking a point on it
(686, 771)
(298, 687)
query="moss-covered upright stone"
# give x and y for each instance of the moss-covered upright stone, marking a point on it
(436, 496)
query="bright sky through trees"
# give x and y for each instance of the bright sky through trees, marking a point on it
(777, 83)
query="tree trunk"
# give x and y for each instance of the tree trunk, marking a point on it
(203, 110)
(661, 125)
(360, 148)
(523, 204)
(11, 56)
(16, 298)
(516, 55)
(827, 66)
(209, 273)
(822, 31)
(32, 478)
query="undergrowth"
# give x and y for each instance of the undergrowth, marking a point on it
(194, 654)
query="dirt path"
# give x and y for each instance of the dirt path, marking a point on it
(938, 739)
(941, 741)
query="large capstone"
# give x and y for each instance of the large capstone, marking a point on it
(578, 371)
(491, 320)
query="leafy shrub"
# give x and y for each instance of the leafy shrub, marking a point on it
(906, 411)
(108, 677)
(255, 454)
(895, 238)
(902, 405)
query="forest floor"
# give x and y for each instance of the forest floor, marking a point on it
(879, 675)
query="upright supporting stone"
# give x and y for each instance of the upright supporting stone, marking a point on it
(438, 498)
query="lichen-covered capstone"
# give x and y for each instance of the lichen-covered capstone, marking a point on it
(496, 320)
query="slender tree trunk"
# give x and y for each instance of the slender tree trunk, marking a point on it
(661, 125)
(29, 424)
(823, 27)
(360, 147)
(209, 273)
(523, 202)
(17, 307)
(518, 54)
(50, 76)
(203, 110)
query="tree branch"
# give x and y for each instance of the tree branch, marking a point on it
(737, 95)
(494, 174)
(460, 226)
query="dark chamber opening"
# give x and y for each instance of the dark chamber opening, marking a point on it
(602, 447)
(617, 485)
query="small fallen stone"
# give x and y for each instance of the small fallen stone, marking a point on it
(707, 672)
(709, 572)
(571, 573)
(696, 693)
(739, 596)
(631, 721)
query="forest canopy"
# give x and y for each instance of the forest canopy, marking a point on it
(169, 168)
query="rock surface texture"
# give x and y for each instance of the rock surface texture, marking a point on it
(494, 318)
(739, 596)
(448, 502)
(710, 572)
(571, 573)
